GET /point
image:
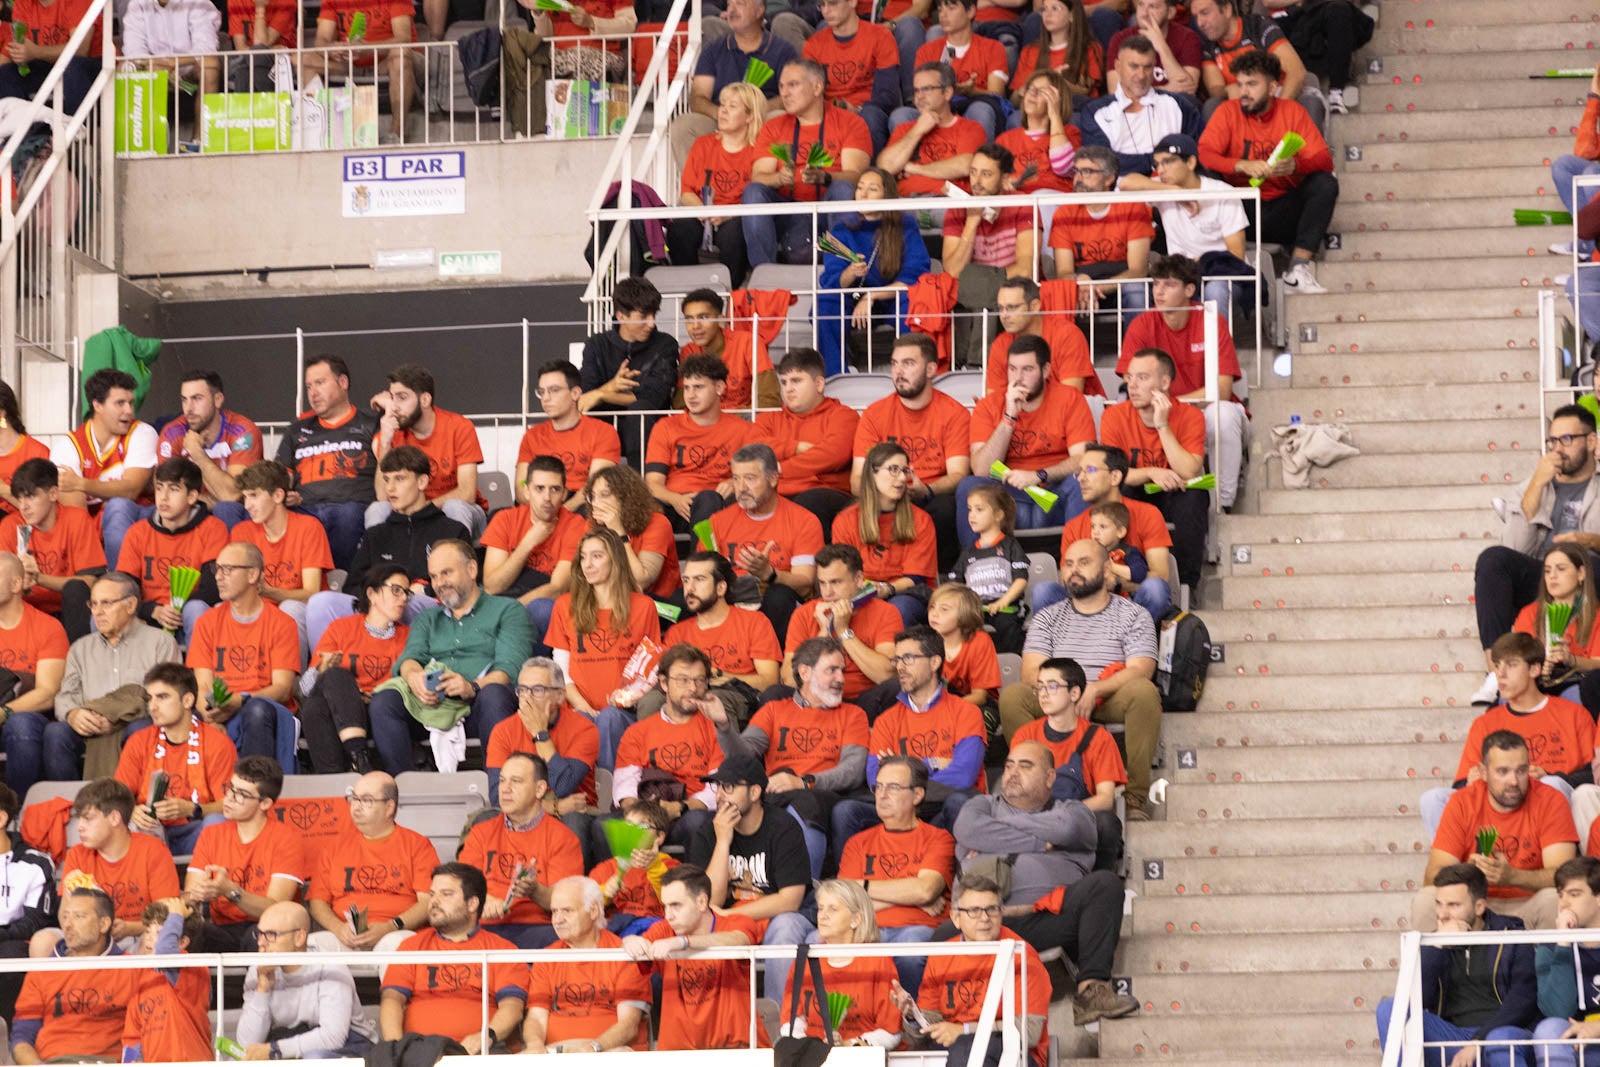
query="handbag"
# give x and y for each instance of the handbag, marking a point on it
(805, 1051)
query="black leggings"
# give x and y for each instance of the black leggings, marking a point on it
(1504, 583)
(336, 703)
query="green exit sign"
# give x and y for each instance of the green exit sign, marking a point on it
(462, 264)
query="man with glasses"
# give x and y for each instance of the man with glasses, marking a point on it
(569, 744)
(369, 889)
(314, 1005)
(1102, 244)
(1097, 630)
(584, 445)
(253, 648)
(248, 863)
(931, 145)
(905, 864)
(665, 757)
(1559, 504)
(1056, 899)
(1036, 427)
(927, 722)
(1017, 306)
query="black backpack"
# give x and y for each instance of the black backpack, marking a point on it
(480, 62)
(1182, 659)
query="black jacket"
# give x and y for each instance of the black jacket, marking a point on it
(656, 360)
(205, 590)
(1515, 980)
(402, 540)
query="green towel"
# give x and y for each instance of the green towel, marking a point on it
(442, 716)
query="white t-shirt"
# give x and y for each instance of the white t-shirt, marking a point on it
(141, 454)
(1202, 232)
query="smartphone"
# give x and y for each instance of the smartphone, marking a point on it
(432, 680)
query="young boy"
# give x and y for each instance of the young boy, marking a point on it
(169, 1020)
(181, 533)
(1569, 974)
(294, 546)
(1108, 525)
(1559, 733)
(634, 896)
(61, 550)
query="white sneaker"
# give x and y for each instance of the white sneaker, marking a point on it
(1500, 504)
(1336, 104)
(1487, 693)
(1561, 248)
(1352, 96)
(1301, 279)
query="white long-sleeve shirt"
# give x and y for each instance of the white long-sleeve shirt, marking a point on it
(176, 28)
(320, 995)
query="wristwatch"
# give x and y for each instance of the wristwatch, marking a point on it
(234, 895)
(848, 635)
(542, 736)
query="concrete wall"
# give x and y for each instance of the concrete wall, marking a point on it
(282, 213)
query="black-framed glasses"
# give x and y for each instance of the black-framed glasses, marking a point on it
(1564, 440)
(271, 935)
(230, 790)
(988, 911)
(537, 692)
(907, 659)
(891, 788)
(1050, 687)
(401, 591)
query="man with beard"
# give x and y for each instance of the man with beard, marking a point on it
(1097, 630)
(562, 1017)
(686, 462)
(448, 998)
(772, 542)
(984, 247)
(329, 451)
(1533, 831)
(1038, 428)
(811, 436)
(677, 742)
(1017, 306)
(528, 550)
(1560, 504)
(106, 463)
(446, 438)
(813, 743)
(478, 642)
(221, 443)
(931, 426)
(742, 644)
(1298, 194)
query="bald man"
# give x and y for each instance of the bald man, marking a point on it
(1096, 629)
(612, 1018)
(314, 1002)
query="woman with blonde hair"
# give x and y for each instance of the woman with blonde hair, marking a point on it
(715, 172)
(845, 916)
(619, 501)
(896, 538)
(595, 628)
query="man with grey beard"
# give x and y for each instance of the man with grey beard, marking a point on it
(465, 651)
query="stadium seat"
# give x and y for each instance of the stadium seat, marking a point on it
(1097, 407)
(496, 489)
(966, 386)
(1042, 567)
(1111, 382)
(1010, 668)
(437, 805)
(602, 790)
(858, 390)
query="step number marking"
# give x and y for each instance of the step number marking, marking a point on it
(1241, 553)
(1155, 870)
(1188, 758)
(1123, 984)
(1352, 153)
(1333, 242)
(1218, 652)
(1308, 331)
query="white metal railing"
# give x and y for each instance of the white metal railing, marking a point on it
(1403, 1043)
(67, 210)
(1004, 1005)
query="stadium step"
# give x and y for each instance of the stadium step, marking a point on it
(1472, 522)
(1439, 155)
(1355, 558)
(1492, 13)
(1369, 127)
(1234, 803)
(1352, 690)
(1449, 94)
(1424, 437)
(1355, 216)
(1501, 67)
(1307, 763)
(1510, 35)
(1510, 333)
(1471, 272)
(1176, 994)
(1312, 369)
(1337, 590)
(1269, 623)
(1506, 468)
(1473, 400)
(1380, 656)
(1381, 834)
(1266, 913)
(1406, 245)
(1218, 731)
(1308, 501)
(1519, 180)
(1214, 876)
(1373, 306)
(1377, 950)
(1289, 1035)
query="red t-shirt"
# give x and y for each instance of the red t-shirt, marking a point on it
(1186, 345)
(744, 637)
(71, 546)
(574, 735)
(710, 165)
(1094, 63)
(197, 769)
(453, 444)
(380, 20)
(1033, 147)
(171, 1023)
(598, 657)
(635, 896)
(447, 998)
(930, 734)
(583, 998)
(1101, 760)
(304, 545)
(877, 854)
(874, 622)
(54, 25)
(931, 436)
(791, 534)
(1544, 819)
(37, 637)
(281, 16)
(1147, 528)
(890, 559)
(955, 986)
(1069, 357)
(577, 448)
(383, 875)
(688, 751)
(705, 1003)
(370, 659)
(695, 457)
(276, 852)
(853, 62)
(808, 740)
(148, 553)
(1122, 427)
(549, 848)
(838, 131)
(83, 1012)
(830, 430)
(1043, 437)
(244, 654)
(1100, 240)
(976, 666)
(143, 874)
(25, 449)
(510, 525)
(867, 981)
(657, 537)
(962, 137)
(982, 58)
(1560, 736)
(1526, 624)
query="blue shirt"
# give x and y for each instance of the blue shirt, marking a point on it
(724, 61)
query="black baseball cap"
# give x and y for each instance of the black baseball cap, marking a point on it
(1178, 144)
(739, 770)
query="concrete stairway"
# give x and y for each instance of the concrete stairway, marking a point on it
(1270, 900)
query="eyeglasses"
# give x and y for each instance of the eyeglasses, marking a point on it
(356, 800)
(271, 935)
(990, 911)
(1050, 687)
(537, 692)
(894, 469)
(554, 390)
(106, 605)
(915, 89)
(1089, 170)
(1088, 468)
(401, 591)
(235, 793)
(1564, 440)
(908, 659)
(1011, 309)
(688, 681)
(891, 788)
(224, 569)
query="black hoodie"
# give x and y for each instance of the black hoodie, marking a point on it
(402, 540)
(656, 360)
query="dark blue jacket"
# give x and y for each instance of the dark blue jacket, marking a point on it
(1140, 163)
(1515, 981)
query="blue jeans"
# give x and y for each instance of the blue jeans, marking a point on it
(877, 120)
(910, 968)
(118, 515)
(394, 730)
(344, 522)
(23, 739)
(1556, 1055)
(62, 751)
(832, 317)
(913, 611)
(525, 935)
(182, 836)
(266, 728)
(767, 238)
(539, 610)
(1030, 516)
(612, 724)
(1436, 1029)
(909, 35)
(1562, 171)
(75, 83)
(790, 928)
